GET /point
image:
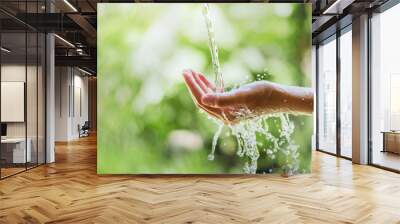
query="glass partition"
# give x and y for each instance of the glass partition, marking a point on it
(385, 89)
(14, 153)
(346, 93)
(32, 95)
(327, 96)
(22, 91)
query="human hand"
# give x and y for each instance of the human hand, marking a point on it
(230, 107)
(248, 101)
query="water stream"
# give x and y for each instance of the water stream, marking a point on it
(213, 47)
(246, 131)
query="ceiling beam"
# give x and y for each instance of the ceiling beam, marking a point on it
(49, 22)
(337, 7)
(79, 61)
(86, 26)
(320, 23)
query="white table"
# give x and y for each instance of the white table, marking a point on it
(19, 155)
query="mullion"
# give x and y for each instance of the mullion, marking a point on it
(26, 86)
(369, 100)
(46, 35)
(37, 91)
(338, 98)
(317, 96)
(0, 93)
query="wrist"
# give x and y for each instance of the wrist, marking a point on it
(269, 98)
(279, 98)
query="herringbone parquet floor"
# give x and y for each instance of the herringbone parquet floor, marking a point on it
(70, 191)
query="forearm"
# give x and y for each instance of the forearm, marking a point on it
(292, 99)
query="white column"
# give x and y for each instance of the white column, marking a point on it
(50, 92)
(360, 90)
(50, 99)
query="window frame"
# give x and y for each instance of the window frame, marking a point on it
(380, 9)
(333, 37)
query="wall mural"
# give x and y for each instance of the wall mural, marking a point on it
(204, 88)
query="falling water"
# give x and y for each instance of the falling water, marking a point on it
(246, 131)
(213, 47)
(214, 142)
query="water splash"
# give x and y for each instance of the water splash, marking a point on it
(246, 133)
(247, 130)
(214, 142)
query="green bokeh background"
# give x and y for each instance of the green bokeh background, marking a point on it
(147, 120)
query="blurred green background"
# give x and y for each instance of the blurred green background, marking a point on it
(147, 120)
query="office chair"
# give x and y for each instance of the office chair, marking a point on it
(84, 130)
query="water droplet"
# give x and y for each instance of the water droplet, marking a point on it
(210, 157)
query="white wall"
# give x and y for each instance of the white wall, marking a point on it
(79, 117)
(70, 83)
(14, 73)
(62, 82)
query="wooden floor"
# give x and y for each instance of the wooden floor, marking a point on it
(70, 191)
(5, 172)
(387, 159)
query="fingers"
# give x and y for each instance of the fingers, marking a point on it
(226, 99)
(201, 84)
(206, 82)
(197, 89)
(194, 88)
(203, 93)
